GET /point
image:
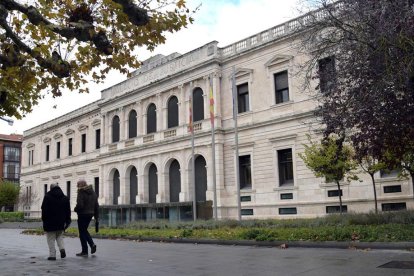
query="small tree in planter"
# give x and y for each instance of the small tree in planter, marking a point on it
(371, 165)
(331, 159)
(9, 193)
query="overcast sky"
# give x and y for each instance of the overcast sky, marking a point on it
(225, 21)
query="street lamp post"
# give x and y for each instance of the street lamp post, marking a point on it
(9, 121)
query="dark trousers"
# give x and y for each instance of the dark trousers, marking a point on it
(85, 237)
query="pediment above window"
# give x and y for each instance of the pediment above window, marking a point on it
(30, 145)
(278, 59)
(242, 72)
(96, 122)
(82, 127)
(57, 136)
(69, 131)
(46, 140)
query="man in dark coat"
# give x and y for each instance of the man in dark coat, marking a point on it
(87, 207)
(56, 218)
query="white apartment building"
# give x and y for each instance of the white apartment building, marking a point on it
(134, 144)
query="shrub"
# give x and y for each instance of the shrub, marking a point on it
(11, 216)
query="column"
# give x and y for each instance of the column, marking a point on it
(206, 97)
(159, 110)
(217, 100)
(182, 119)
(122, 124)
(123, 190)
(142, 196)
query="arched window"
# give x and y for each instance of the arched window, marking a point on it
(152, 183)
(151, 119)
(198, 105)
(175, 181)
(172, 112)
(116, 187)
(132, 124)
(133, 185)
(115, 129)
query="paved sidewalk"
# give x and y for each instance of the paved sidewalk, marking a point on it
(27, 254)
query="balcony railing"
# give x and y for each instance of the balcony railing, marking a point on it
(170, 133)
(148, 138)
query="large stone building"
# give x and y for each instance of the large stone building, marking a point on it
(134, 144)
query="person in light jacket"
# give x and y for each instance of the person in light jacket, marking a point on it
(86, 207)
(56, 218)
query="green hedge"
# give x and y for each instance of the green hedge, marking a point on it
(11, 216)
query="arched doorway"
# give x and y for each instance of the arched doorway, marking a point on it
(152, 183)
(200, 178)
(133, 186)
(175, 181)
(116, 187)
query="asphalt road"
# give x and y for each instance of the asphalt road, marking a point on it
(27, 255)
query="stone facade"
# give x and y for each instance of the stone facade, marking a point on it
(270, 136)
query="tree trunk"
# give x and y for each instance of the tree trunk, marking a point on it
(375, 193)
(340, 197)
(412, 180)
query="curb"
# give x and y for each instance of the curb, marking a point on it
(280, 244)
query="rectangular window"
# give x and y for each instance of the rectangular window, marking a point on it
(45, 189)
(246, 212)
(334, 193)
(327, 74)
(70, 147)
(388, 173)
(288, 211)
(392, 189)
(281, 87)
(245, 198)
(11, 154)
(58, 150)
(243, 97)
(96, 185)
(286, 196)
(336, 209)
(83, 142)
(394, 206)
(30, 157)
(97, 138)
(245, 172)
(68, 189)
(285, 163)
(11, 171)
(47, 152)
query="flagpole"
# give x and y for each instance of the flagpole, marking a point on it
(236, 141)
(192, 154)
(213, 146)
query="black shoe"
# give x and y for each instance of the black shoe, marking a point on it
(62, 253)
(51, 259)
(93, 248)
(82, 254)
